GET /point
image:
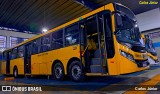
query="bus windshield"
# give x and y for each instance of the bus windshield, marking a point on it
(128, 32)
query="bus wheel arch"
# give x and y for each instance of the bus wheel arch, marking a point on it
(58, 70)
(70, 61)
(74, 64)
(15, 71)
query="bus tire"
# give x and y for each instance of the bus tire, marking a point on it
(76, 71)
(15, 72)
(58, 71)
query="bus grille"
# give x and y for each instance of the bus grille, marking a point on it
(142, 63)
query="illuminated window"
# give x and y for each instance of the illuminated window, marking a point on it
(13, 41)
(16, 40)
(2, 43)
(72, 35)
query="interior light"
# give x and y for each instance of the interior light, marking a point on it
(136, 25)
(44, 30)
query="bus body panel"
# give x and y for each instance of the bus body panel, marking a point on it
(42, 63)
(128, 66)
(109, 7)
(119, 64)
(3, 67)
(19, 63)
(113, 68)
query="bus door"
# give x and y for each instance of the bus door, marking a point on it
(94, 47)
(105, 25)
(27, 58)
(83, 45)
(7, 62)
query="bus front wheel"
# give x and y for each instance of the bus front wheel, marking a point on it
(76, 71)
(58, 71)
(15, 72)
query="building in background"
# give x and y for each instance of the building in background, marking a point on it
(9, 39)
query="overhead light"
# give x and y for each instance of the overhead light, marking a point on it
(135, 25)
(44, 30)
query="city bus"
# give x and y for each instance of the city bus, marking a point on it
(105, 41)
(152, 55)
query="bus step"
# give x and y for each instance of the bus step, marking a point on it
(97, 69)
(96, 61)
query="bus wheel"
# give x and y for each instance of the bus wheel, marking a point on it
(15, 72)
(58, 71)
(76, 71)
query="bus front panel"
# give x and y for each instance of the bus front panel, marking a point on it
(130, 54)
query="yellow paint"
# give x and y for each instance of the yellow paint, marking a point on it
(19, 62)
(127, 66)
(152, 82)
(114, 68)
(42, 63)
(8, 78)
(3, 67)
(143, 37)
(155, 58)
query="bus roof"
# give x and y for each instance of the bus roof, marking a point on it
(107, 6)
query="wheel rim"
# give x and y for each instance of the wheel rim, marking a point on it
(15, 73)
(76, 71)
(58, 72)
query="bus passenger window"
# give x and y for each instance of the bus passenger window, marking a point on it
(72, 35)
(14, 53)
(57, 39)
(20, 51)
(36, 46)
(34, 50)
(46, 43)
(39, 45)
(4, 55)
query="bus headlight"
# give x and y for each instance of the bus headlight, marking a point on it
(127, 55)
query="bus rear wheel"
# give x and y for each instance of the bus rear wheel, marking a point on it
(15, 72)
(76, 71)
(58, 71)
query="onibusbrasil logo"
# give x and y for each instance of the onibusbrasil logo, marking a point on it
(21, 88)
